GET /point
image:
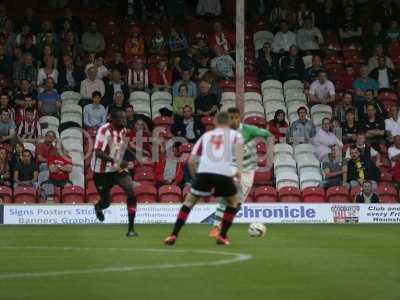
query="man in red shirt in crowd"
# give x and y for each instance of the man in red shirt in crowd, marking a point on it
(169, 169)
(60, 166)
(45, 150)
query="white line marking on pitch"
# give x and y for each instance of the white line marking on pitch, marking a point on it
(235, 257)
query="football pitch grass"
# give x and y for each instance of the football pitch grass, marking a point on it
(291, 262)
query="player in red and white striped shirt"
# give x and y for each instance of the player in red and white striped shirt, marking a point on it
(219, 155)
(109, 169)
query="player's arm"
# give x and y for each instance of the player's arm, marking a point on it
(239, 150)
(192, 164)
(101, 145)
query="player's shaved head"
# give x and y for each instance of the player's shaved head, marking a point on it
(118, 118)
(222, 119)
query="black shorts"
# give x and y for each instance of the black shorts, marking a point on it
(204, 183)
(105, 181)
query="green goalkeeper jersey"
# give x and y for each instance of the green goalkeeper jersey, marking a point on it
(250, 133)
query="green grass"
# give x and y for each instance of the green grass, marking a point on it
(292, 262)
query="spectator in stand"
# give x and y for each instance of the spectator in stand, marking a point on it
(367, 195)
(366, 151)
(68, 15)
(373, 61)
(30, 19)
(169, 168)
(206, 104)
(371, 99)
(138, 76)
(208, 8)
(278, 126)
(24, 90)
(311, 74)
(203, 66)
(349, 127)
(25, 34)
(177, 41)
(161, 77)
(392, 33)
(221, 38)
(60, 167)
(93, 40)
(325, 139)
(309, 38)
(283, 40)
(29, 104)
(9, 36)
(70, 75)
(303, 14)
(7, 106)
(46, 149)
(118, 64)
(281, 13)
(49, 101)
(322, 91)
(385, 10)
(26, 70)
(348, 78)
(182, 100)
(362, 85)
(7, 127)
(6, 66)
(16, 155)
(116, 84)
(190, 127)
(360, 169)
(392, 124)
(25, 173)
(48, 71)
(334, 170)
(29, 131)
(134, 44)
(350, 31)
(394, 156)
(267, 65)
(118, 102)
(374, 127)
(98, 62)
(302, 130)
(5, 174)
(158, 43)
(91, 84)
(384, 75)
(222, 64)
(72, 48)
(346, 104)
(292, 65)
(94, 114)
(191, 86)
(375, 36)
(140, 142)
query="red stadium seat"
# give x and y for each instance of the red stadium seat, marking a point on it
(146, 194)
(227, 86)
(25, 195)
(387, 193)
(290, 195)
(118, 195)
(73, 194)
(5, 194)
(386, 177)
(92, 195)
(337, 194)
(169, 194)
(265, 194)
(314, 195)
(144, 176)
(353, 193)
(256, 121)
(262, 177)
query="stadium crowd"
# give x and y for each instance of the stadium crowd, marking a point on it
(171, 66)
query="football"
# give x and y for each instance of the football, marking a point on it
(257, 230)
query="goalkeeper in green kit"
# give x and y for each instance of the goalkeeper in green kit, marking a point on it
(250, 134)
